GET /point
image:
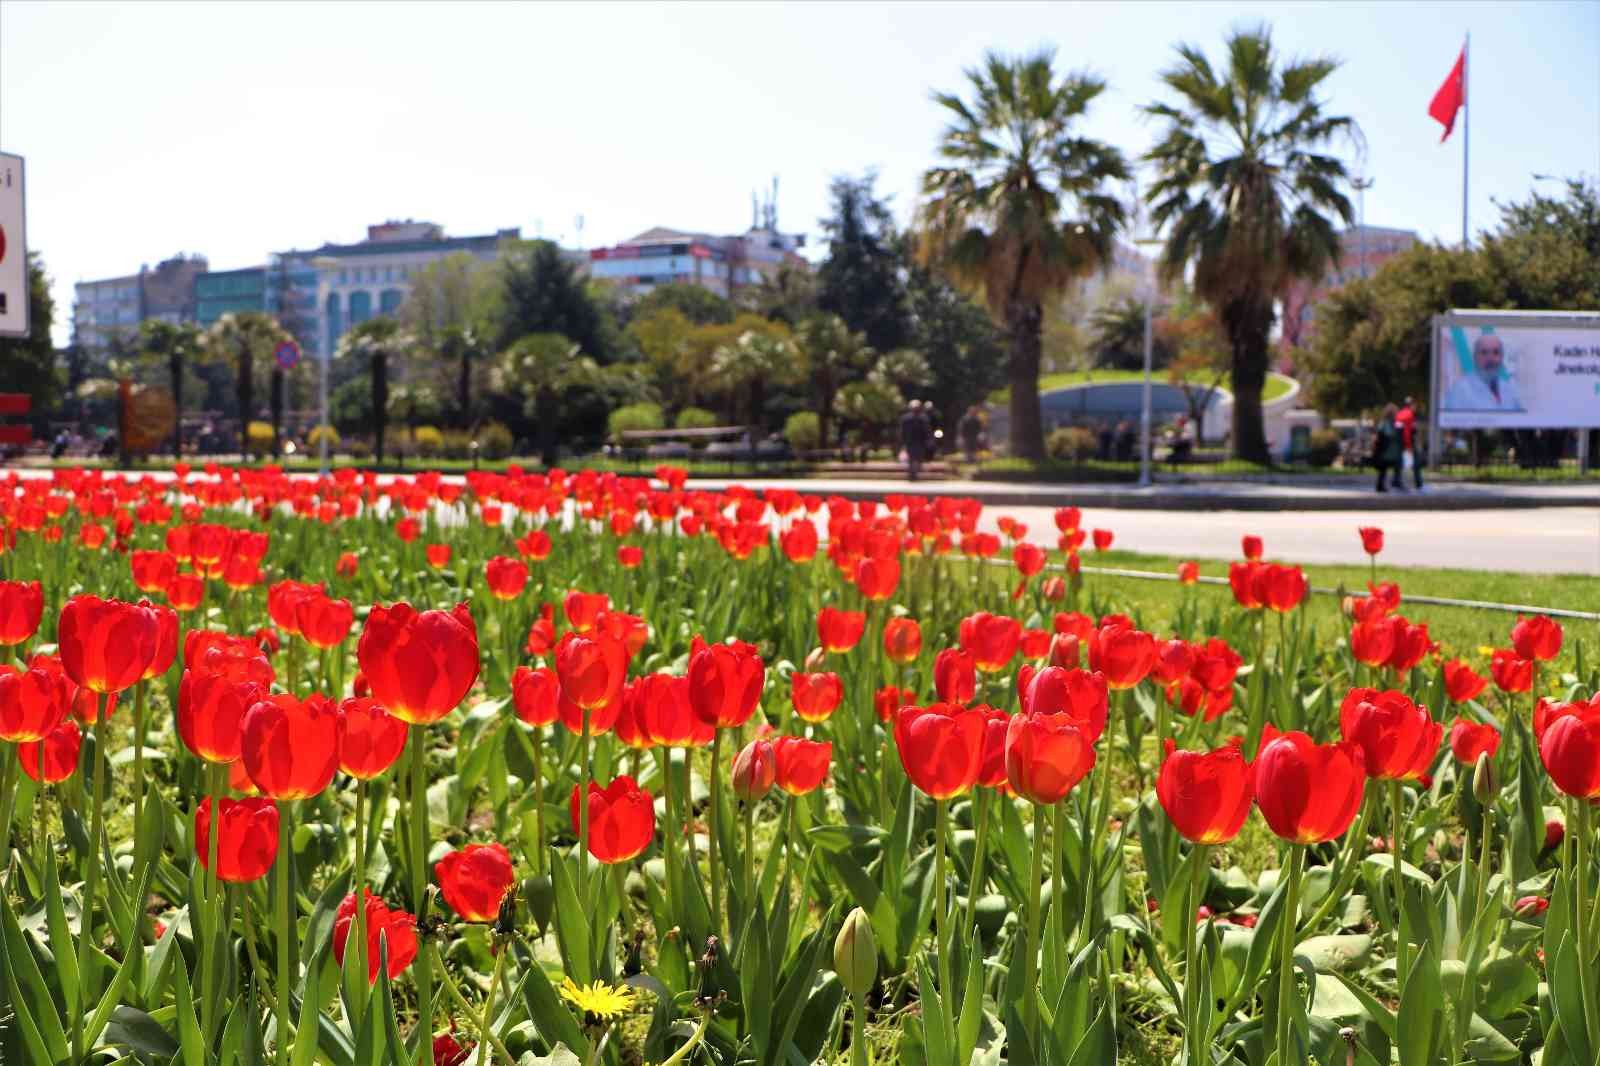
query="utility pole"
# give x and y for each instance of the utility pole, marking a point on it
(1361, 186)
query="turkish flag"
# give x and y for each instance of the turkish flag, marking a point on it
(1451, 95)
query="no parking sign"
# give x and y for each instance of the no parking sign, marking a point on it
(288, 355)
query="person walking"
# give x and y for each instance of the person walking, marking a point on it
(1406, 419)
(971, 428)
(1386, 449)
(914, 438)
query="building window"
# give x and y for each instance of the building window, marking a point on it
(360, 307)
(335, 328)
(389, 301)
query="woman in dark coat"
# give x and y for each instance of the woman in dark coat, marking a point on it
(1386, 449)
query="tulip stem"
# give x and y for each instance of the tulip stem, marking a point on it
(1396, 819)
(1030, 955)
(91, 886)
(669, 829)
(583, 814)
(138, 801)
(486, 1016)
(419, 886)
(361, 891)
(466, 1008)
(285, 930)
(858, 1034)
(1198, 1028)
(941, 919)
(537, 757)
(1349, 866)
(711, 846)
(749, 857)
(10, 766)
(1286, 988)
(978, 846)
(1584, 924)
(208, 959)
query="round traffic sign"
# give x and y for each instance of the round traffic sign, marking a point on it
(288, 355)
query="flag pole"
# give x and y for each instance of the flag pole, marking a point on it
(1466, 137)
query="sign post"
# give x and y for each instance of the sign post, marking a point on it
(13, 249)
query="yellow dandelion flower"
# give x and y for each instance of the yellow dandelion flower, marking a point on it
(598, 999)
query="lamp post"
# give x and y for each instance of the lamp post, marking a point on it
(324, 355)
(1361, 185)
(1145, 403)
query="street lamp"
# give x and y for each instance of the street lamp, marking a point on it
(1361, 185)
(1145, 403)
(323, 263)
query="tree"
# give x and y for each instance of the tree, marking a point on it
(1244, 194)
(379, 344)
(1117, 332)
(964, 351)
(789, 295)
(245, 337)
(29, 363)
(699, 305)
(833, 356)
(748, 364)
(174, 344)
(542, 367)
(1022, 206)
(542, 293)
(448, 312)
(1200, 358)
(861, 281)
(662, 337)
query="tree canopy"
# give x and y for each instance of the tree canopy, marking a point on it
(861, 279)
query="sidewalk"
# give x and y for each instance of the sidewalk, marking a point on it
(1198, 496)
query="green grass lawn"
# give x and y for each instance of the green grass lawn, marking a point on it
(1277, 384)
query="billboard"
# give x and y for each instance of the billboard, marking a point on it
(1516, 370)
(13, 250)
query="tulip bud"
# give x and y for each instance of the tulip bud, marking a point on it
(1555, 831)
(1054, 589)
(815, 660)
(1064, 651)
(855, 954)
(1485, 781)
(755, 768)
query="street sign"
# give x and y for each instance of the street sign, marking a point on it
(288, 355)
(13, 250)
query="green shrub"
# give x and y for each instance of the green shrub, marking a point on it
(1324, 447)
(1070, 443)
(427, 440)
(635, 416)
(494, 440)
(695, 418)
(803, 430)
(260, 437)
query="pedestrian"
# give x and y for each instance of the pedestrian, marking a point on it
(1386, 448)
(971, 429)
(1406, 419)
(914, 438)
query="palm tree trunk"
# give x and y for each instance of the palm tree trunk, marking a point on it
(277, 410)
(1247, 321)
(464, 388)
(245, 388)
(1024, 324)
(175, 372)
(380, 400)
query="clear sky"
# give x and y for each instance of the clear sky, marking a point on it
(234, 129)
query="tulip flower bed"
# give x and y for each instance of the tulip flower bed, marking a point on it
(547, 769)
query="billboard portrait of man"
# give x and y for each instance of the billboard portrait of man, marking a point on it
(1484, 384)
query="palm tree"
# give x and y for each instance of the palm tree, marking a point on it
(243, 337)
(1244, 194)
(832, 355)
(376, 342)
(175, 344)
(543, 367)
(1022, 206)
(745, 366)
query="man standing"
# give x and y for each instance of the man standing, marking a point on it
(1406, 419)
(914, 438)
(1487, 388)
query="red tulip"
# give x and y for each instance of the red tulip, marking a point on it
(1511, 673)
(153, 571)
(629, 556)
(799, 541)
(815, 696)
(630, 726)
(1461, 682)
(1173, 659)
(535, 545)
(902, 639)
(475, 880)
(1569, 746)
(802, 765)
(1046, 755)
(622, 819)
(1373, 642)
(420, 664)
(283, 603)
(1411, 644)
(1242, 579)
(1078, 694)
(1371, 539)
(582, 608)
(106, 645)
(535, 694)
(877, 578)
(953, 676)
(1251, 544)
(1123, 654)
(1029, 559)
(1280, 588)
(208, 651)
(1215, 665)
(839, 631)
(725, 682)
(668, 718)
(1207, 794)
(1468, 740)
(1397, 738)
(1537, 638)
(448, 1051)
(506, 577)
(754, 771)
(394, 928)
(887, 701)
(941, 747)
(592, 669)
(991, 640)
(54, 758)
(291, 747)
(1102, 539)
(438, 555)
(1308, 792)
(1188, 573)
(247, 842)
(323, 622)
(630, 630)
(21, 607)
(34, 701)
(347, 565)
(211, 709)
(185, 592)
(370, 738)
